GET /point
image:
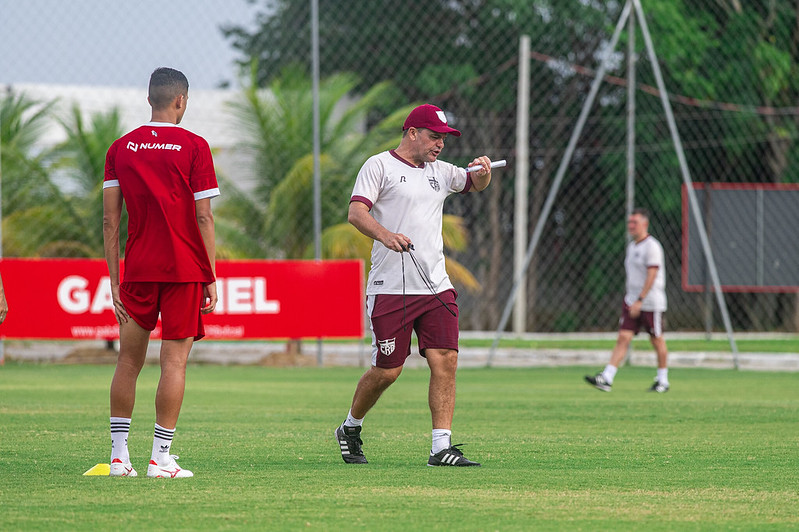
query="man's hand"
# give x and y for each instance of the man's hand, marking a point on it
(209, 291)
(3, 308)
(484, 162)
(396, 242)
(482, 177)
(635, 309)
(119, 309)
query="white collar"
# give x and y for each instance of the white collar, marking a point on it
(160, 124)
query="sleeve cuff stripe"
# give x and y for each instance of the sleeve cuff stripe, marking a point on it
(210, 193)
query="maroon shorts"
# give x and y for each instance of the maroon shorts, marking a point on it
(178, 303)
(650, 322)
(393, 320)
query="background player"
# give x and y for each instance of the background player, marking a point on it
(644, 303)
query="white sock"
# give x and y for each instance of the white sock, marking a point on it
(353, 421)
(120, 428)
(441, 440)
(663, 375)
(609, 373)
(162, 442)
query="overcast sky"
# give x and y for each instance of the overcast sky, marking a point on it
(117, 42)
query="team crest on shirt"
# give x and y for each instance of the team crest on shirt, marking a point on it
(154, 133)
(433, 183)
(387, 346)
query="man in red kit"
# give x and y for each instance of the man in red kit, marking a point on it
(165, 174)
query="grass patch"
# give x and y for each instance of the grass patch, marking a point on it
(777, 345)
(718, 451)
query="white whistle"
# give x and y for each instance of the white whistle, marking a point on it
(494, 164)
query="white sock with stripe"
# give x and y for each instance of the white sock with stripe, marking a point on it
(441, 440)
(120, 428)
(663, 376)
(162, 442)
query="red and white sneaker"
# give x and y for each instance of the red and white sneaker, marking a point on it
(121, 469)
(168, 470)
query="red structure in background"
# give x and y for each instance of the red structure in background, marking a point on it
(71, 299)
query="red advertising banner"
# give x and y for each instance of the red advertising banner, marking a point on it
(71, 299)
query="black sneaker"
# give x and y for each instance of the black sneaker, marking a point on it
(659, 387)
(349, 439)
(450, 457)
(598, 381)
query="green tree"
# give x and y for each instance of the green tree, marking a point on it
(66, 223)
(275, 219)
(25, 180)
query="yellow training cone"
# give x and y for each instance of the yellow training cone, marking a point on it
(101, 470)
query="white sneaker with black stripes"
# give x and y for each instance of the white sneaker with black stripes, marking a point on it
(450, 457)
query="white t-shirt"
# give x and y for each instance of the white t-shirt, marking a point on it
(641, 256)
(408, 199)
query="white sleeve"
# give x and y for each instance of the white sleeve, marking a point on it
(456, 177)
(369, 181)
(654, 255)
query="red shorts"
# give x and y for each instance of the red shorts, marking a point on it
(393, 321)
(178, 303)
(650, 321)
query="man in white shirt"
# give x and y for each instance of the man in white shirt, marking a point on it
(644, 303)
(398, 201)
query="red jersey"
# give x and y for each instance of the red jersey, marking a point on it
(162, 169)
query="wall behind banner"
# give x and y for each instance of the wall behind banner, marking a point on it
(71, 299)
(729, 68)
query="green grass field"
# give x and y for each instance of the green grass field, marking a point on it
(788, 343)
(745, 345)
(717, 452)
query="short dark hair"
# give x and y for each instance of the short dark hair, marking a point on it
(166, 84)
(641, 211)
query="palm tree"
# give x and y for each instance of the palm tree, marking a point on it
(274, 220)
(22, 123)
(81, 160)
(64, 220)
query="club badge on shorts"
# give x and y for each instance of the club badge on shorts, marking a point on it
(387, 346)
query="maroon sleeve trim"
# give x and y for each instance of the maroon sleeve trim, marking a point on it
(468, 186)
(362, 200)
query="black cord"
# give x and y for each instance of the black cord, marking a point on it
(425, 279)
(402, 258)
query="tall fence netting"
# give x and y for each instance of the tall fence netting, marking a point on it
(729, 67)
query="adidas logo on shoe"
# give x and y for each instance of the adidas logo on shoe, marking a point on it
(349, 441)
(599, 382)
(450, 457)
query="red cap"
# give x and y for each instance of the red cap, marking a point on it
(429, 117)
